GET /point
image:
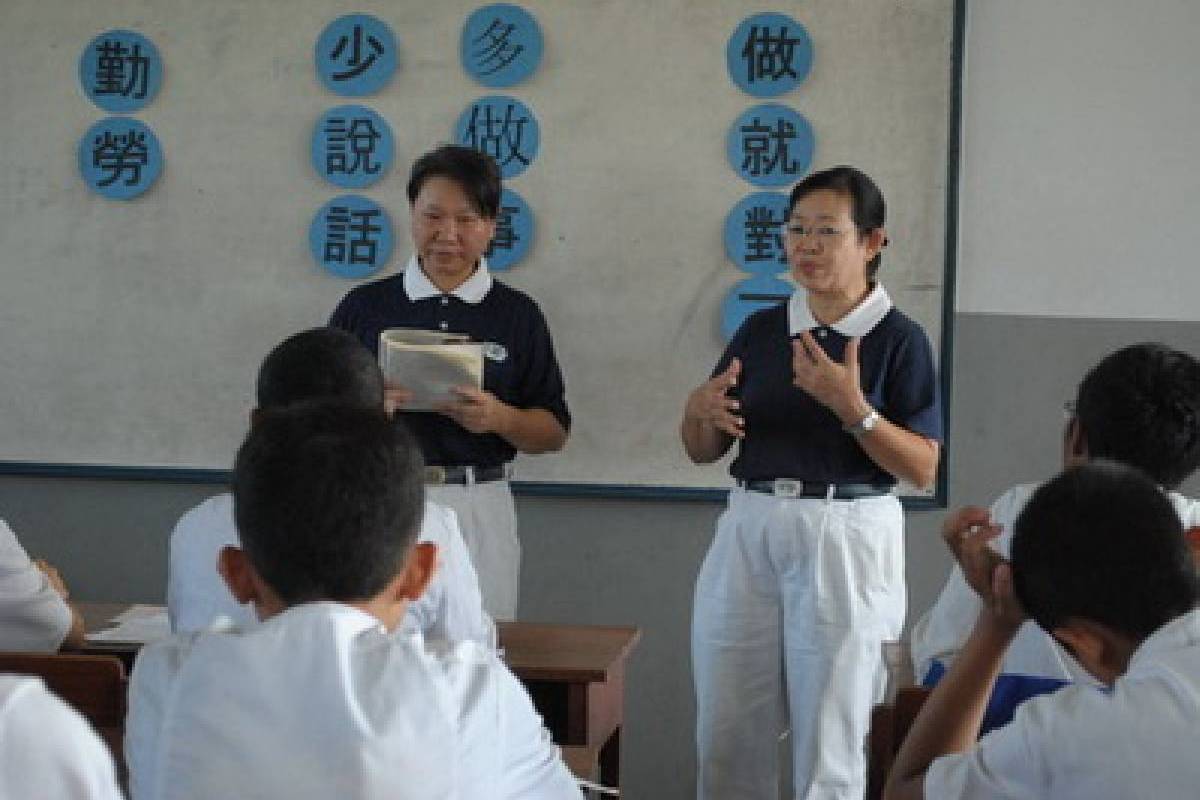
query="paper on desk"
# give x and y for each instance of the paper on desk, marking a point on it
(137, 624)
(428, 364)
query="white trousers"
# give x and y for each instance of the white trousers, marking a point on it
(489, 526)
(792, 605)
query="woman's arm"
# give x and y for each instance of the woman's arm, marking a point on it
(710, 418)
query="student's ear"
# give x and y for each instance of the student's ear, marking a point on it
(1193, 539)
(1075, 451)
(1104, 653)
(238, 574)
(418, 570)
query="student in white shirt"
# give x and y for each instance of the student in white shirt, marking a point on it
(321, 700)
(1139, 406)
(34, 613)
(319, 364)
(1100, 562)
(47, 749)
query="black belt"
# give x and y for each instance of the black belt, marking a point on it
(462, 474)
(787, 487)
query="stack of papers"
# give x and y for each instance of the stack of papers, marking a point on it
(429, 364)
(137, 624)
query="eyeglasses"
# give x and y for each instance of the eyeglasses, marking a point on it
(822, 233)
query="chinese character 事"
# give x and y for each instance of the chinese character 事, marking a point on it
(121, 70)
(348, 149)
(506, 237)
(342, 221)
(769, 56)
(765, 149)
(118, 153)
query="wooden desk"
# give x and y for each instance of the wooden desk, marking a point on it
(574, 673)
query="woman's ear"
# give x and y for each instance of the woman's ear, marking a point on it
(877, 239)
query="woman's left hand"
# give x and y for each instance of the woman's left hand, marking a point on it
(833, 385)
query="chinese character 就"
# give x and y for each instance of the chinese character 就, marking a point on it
(764, 237)
(111, 74)
(765, 149)
(120, 153)
(506, 233)
(769, 56)
(495, 51)
(349, 150)
(498, 137)
(340, 223)
(356, 63)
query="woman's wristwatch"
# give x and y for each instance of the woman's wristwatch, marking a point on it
(864, 425)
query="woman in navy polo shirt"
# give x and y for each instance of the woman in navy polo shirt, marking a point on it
(831, 398)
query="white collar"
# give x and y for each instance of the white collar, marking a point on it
(861, 320)
(1179, 633)
(418, 286)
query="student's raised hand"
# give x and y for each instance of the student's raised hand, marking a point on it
(833, 385)
(476, 410)
(968, 533)
(710, 402)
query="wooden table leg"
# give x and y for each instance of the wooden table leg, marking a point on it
(610, 760)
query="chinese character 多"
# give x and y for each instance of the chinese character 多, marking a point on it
(494, 49)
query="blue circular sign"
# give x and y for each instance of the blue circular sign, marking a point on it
(769, 54)
(770, 145)
(504, 128)
(514, 232)
(120, 157)
(356, 55)
(748, 296)
(754, 233)
(120, 71)
(501, 45)
(352, 146)
(351, 236)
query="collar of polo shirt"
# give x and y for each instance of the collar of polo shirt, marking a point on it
(859, 322)
(418, 286)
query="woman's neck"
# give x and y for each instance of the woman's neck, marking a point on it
(829, 307)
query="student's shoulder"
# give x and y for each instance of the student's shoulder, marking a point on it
(11, 551)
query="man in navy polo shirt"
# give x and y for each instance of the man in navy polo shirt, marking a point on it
(454, 197)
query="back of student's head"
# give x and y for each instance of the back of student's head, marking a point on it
(1102, 542)
(1141, 406)
(320, 364)
(327, 499)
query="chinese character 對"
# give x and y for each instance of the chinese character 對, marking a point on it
(506, 233)
(356, 63)
(499, 138)
(769, 56)
(111, 77)
(349, 150)
(764, 240)
(340, 222)
(765, 149)
(495, 47)
(119, 153)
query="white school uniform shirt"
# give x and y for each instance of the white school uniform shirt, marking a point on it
(197, 596)
(321, 702)
(47, 749)
(1139, 740)
(942, 631)
(33, 616)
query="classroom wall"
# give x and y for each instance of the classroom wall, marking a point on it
(1015, 362)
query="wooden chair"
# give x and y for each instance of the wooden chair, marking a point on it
(890, 723)
(95, 686)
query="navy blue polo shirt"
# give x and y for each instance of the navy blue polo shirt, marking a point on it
(791, 435)
(527, 377)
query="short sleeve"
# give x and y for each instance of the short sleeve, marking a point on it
(33, 616)
(912, 395)
(531, 763)
(1006, 764)
(451, 607)
(736, 348)
(196, 593)
(541, 385)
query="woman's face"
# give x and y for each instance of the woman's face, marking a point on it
(824, 249)
(449, 235)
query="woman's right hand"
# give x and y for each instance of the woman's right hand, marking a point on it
(711, 404)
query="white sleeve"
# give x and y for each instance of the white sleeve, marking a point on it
(49, 749)
(451, 607)
(154, 673)
(531, 763)
(33, 616)
(196, 593)
(1007, 764)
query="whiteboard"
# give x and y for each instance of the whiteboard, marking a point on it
(132, 330)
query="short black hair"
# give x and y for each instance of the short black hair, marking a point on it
(320, 364)
(328, 499)
(476, 172)
(1141, 406)
(867, 206)
(1102, 542)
